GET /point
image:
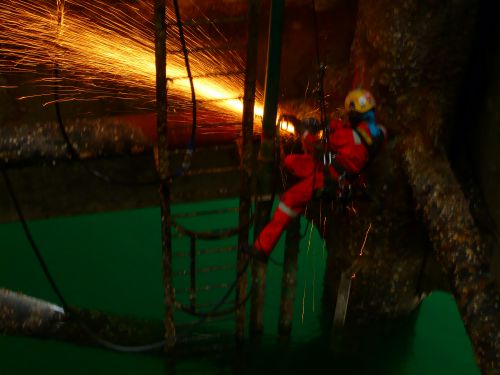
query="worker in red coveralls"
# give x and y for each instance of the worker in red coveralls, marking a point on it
(349, 147)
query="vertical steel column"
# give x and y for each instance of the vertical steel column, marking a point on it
(247, 158)
(192, 271)
(266, 167)
(163, 167)
(289, 278)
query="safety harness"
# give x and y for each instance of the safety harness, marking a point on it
(342, 188)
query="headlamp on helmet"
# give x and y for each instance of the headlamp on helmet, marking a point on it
(359, 101)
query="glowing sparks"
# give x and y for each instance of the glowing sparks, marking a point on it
(303, 302)
(361, 251)
(106, 51)
(286, 126)
(364, 241)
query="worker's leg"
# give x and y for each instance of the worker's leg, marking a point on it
(292, 203)
(299, 165)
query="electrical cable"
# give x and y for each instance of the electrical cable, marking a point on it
(189, 151)
(70, 312)
(74, 154)
(31, 240)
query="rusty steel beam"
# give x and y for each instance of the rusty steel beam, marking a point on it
(289, 278)
(458, 246)
(266, 158)
(247, 158)
(163, 165)
(28, 316)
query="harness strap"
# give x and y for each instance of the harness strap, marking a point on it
(342, 171)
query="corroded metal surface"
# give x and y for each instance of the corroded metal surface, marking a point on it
(22, 314)
(289, 278)
(247, 158)
(458, 245)
(163, 166)
(92, 138)
(266, 157)
(28, 316)
(411, 54)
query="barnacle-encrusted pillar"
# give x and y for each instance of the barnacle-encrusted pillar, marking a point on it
(289, 278)
(459, 248)
(266, 167)
(412, 55)
(28, 316)
(163, 166)
(247, 158)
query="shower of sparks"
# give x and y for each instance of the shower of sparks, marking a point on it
(364, 241)
(310, 237)
(361, 251)
(107, 51)
(303, 301)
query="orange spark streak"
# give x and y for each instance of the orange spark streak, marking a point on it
(108, 52)
(364, 241)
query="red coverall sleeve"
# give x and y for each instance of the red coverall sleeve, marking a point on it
(335, 124)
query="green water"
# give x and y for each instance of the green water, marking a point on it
(112, 262)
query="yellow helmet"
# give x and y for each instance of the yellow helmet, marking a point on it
(359, 100)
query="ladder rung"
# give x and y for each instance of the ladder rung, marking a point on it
(210, 319)
(197, 172)
(211, 304)
(205, 288)
(204, 270)
(204, 213)
(213, 250)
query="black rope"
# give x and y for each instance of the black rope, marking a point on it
(31, 241)
(216, 312)
(74, 154)
(189, 151)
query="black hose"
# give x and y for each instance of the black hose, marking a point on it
(31, 241)
(74, 154)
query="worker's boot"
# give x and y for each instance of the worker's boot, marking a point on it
(255, 254)
(271, 233)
